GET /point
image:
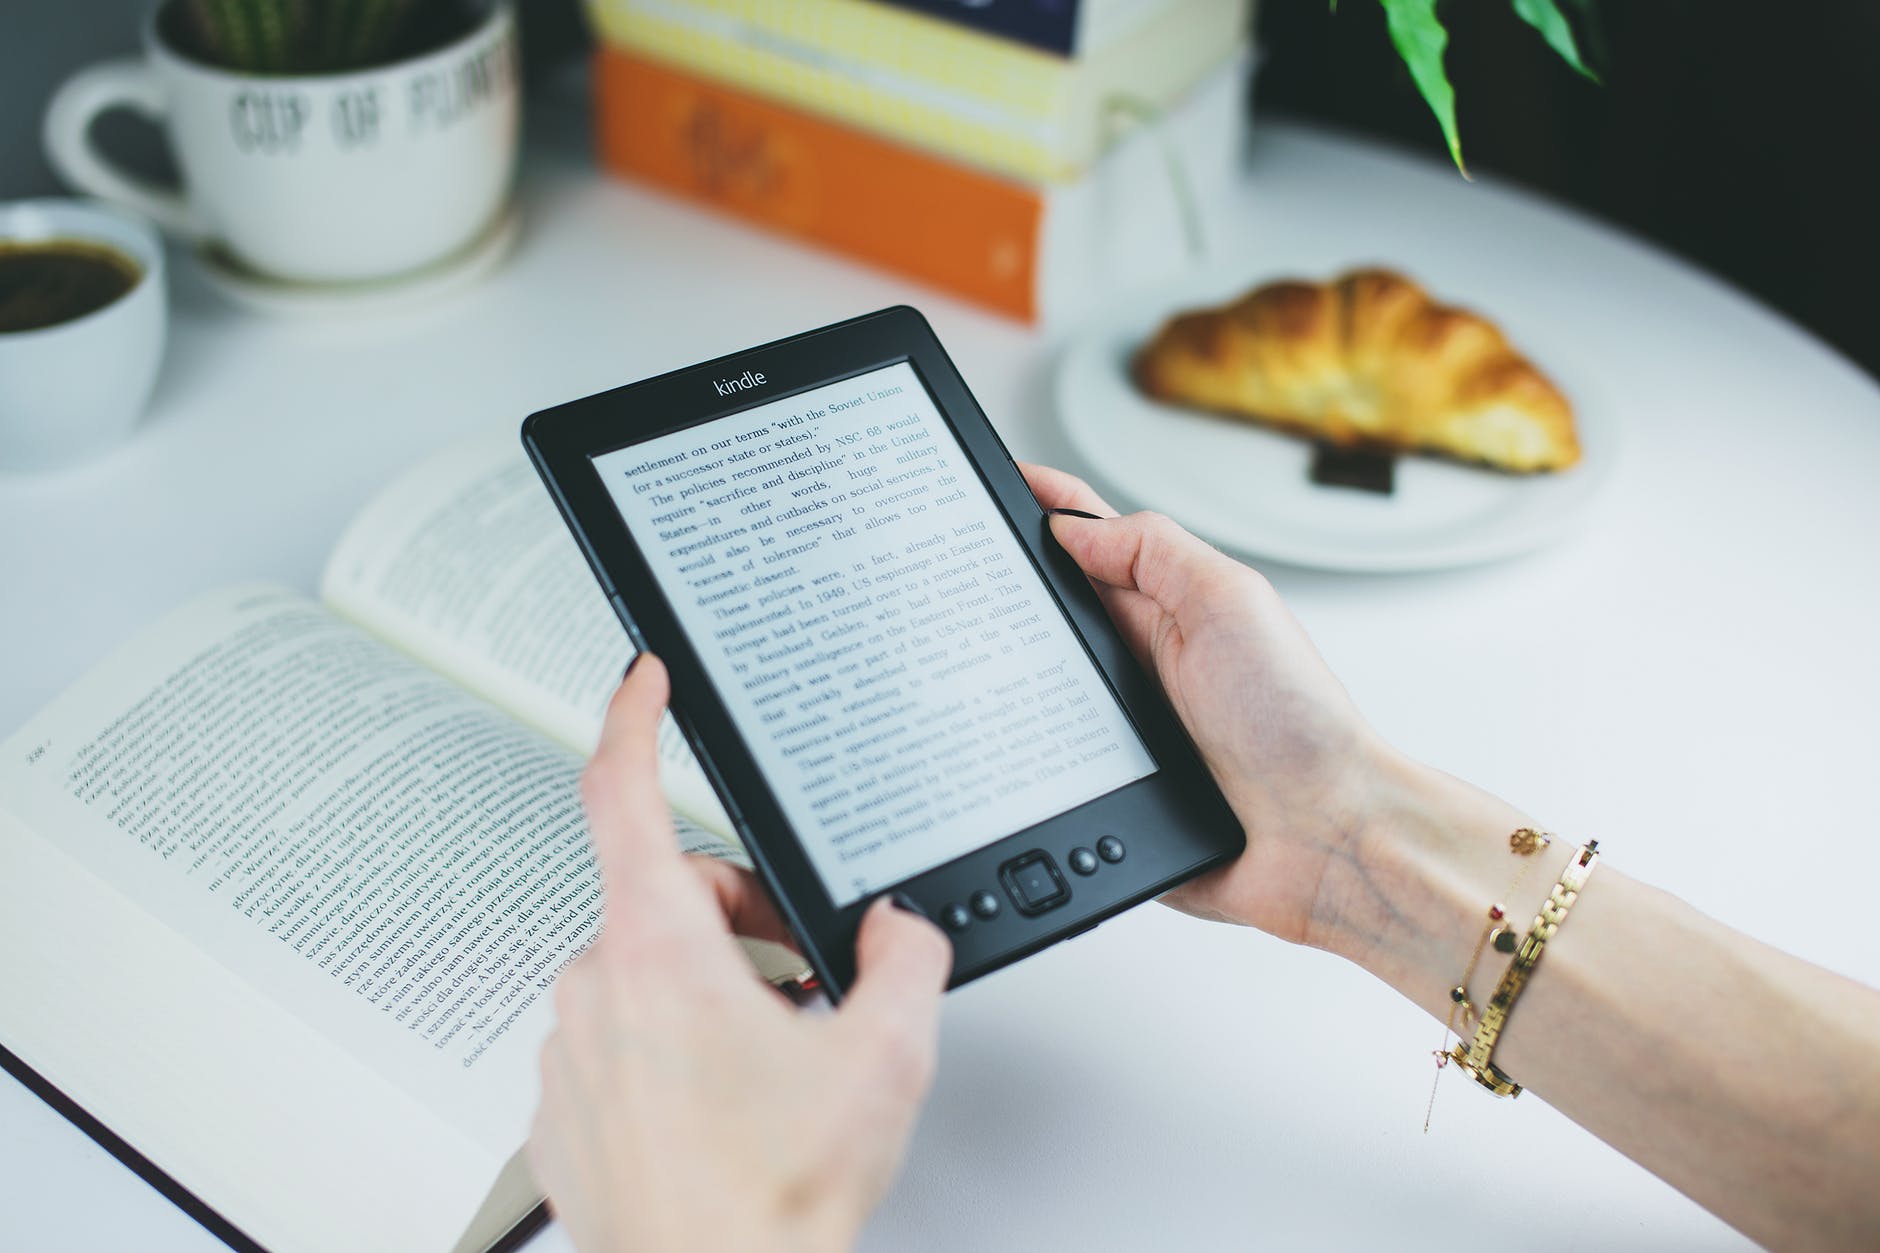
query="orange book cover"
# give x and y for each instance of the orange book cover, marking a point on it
(959, 229)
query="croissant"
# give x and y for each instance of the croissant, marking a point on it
(1367, 360)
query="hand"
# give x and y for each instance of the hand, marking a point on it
(685, 1105)
(1296, 761)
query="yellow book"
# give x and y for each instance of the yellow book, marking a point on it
(994, 103)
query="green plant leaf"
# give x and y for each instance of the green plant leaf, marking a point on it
(1590, 32)
(1421, 39)
(368, 30)
(1545, 16)
(268, 19)
(340, 18)
(227, 33)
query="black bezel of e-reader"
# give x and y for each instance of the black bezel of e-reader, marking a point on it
(1163, 829)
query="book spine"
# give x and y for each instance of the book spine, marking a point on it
(989, 101)
(967, 232)
(1047, 24)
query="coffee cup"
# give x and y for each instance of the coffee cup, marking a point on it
(316, 178)
(78, 354)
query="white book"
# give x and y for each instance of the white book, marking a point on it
(284, 882)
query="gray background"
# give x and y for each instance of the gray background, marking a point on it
(42, 43)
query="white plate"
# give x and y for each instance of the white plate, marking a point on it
(1248, 489)
(329, 300)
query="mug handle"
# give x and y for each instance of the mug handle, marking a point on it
(131, 83)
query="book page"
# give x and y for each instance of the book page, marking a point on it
(465, 564)
(283, 1133)
(374, 850)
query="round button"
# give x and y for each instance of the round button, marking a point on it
(1082, 860)
(985, 904)
(1110, 849)
(955, 917)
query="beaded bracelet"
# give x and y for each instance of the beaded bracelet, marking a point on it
(1478, 1059)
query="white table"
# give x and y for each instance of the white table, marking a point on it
(1692, 678)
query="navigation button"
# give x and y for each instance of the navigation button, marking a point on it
(1110, 849)
(1033, 882)
(1082, 860)
(955, 917)
(985, 904)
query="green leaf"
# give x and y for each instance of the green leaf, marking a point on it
(1545, 16)
(227, 34)
(1591, 32)
(1421, 39)
(270, 27)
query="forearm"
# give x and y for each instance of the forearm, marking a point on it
(1745, 1077)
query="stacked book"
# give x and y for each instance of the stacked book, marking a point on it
(1024, 154)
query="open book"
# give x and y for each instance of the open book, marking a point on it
(283, 884)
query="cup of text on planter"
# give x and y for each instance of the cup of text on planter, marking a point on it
(323, 178)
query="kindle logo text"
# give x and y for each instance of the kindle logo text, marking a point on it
(743, 383)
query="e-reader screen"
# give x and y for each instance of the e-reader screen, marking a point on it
(897, 666)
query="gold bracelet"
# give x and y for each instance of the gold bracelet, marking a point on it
(1478, 1059)
(1523, 842)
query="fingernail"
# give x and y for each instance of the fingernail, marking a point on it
(801, 991)
(630, 665)
(905, 902)
(1075, 513)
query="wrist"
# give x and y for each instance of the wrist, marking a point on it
(1425, 862)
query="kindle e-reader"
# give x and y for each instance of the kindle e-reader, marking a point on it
(893, 676)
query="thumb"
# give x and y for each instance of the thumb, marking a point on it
(1140, 552)
(629, 823)
(902, 963)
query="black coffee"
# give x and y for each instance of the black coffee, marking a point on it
(46, 282)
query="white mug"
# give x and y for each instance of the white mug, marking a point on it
(74, 389)
(319, 178)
